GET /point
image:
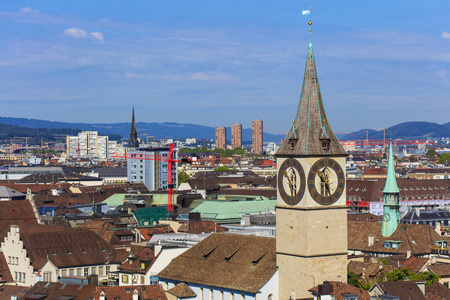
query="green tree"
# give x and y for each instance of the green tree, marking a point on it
(412, 158)
(183, 177)
(431, 153)
(444, 158)
(402, 274)
(355, 280)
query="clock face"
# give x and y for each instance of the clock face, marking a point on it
(326, 181)
(291, 181)
(386, 217)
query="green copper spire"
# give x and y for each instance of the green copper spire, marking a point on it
(391, 213)
(391, 182)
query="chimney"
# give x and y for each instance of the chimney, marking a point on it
(408, 253)
(438, 228)
(370, 241)
(326, 288)
(135, 295)
(158, 249)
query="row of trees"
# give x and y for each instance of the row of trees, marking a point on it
(396, 275)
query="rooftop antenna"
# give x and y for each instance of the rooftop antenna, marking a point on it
(309, 13)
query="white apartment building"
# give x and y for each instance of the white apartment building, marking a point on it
(90, 144)
(151, 167)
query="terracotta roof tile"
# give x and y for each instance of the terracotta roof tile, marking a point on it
(154, 292)
(181, 291)
(231, 261)
(340, 288)
(437, 291)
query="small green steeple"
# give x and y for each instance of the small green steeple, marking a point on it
(391, 182)
(391, 212)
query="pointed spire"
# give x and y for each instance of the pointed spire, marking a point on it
(311, 134)
(133, 142)
(391, 181)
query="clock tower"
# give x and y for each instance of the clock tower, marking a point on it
(311, 203)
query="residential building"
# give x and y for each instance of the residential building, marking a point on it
(8, 194)
(257, 136)
(226, 266)
(335, 290)
(429, 173)
(50, 253)
(236, 136)
(221, 138)
(401, 290)
(90, 144)
(151, 167)
(142, 268)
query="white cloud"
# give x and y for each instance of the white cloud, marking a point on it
(28, 9)
(97, 36)
(83, 34)
(445, 35)
(75, 33)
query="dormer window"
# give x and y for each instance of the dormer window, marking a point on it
(292, 143)
(325, 144)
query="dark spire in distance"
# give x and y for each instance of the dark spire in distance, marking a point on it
(133, 142)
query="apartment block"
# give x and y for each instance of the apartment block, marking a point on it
(257, 136)
(236, 136)
(221, 138)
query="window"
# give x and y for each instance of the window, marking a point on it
(125, 278)
(100, 271)
(86, 272)
(108, 269)
(142, 266)
(79, 272)
(63, 273)
(142, 279)
(71, 271)
(94, 270)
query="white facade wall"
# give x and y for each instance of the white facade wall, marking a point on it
(16, 258)
(215, 293)
(152, 172)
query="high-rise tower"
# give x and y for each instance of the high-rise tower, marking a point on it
(221, 138)
(236, 136)
(133, 142)
(311, 208)
(257, 136)
(391, 212)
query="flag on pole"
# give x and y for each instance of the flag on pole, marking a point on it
(306, 12)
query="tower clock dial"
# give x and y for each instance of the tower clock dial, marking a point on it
(326, 181)
(291, 181)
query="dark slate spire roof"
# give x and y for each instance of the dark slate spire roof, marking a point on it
(133, 142)
(310, 130)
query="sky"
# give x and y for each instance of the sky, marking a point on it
(221, 62)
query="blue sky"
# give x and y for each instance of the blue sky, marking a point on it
(221, 62)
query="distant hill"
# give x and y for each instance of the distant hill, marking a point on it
(407, 130)
(158, 130)
(8, 132)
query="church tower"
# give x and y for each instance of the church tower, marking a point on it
(311, 211)
(391, 213)
(133, 142)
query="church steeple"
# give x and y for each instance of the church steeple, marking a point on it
(133, 142)
(310, 133)
(391, 213)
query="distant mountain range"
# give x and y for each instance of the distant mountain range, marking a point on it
(408, 130)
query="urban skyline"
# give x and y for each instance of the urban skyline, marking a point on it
(382, 63)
